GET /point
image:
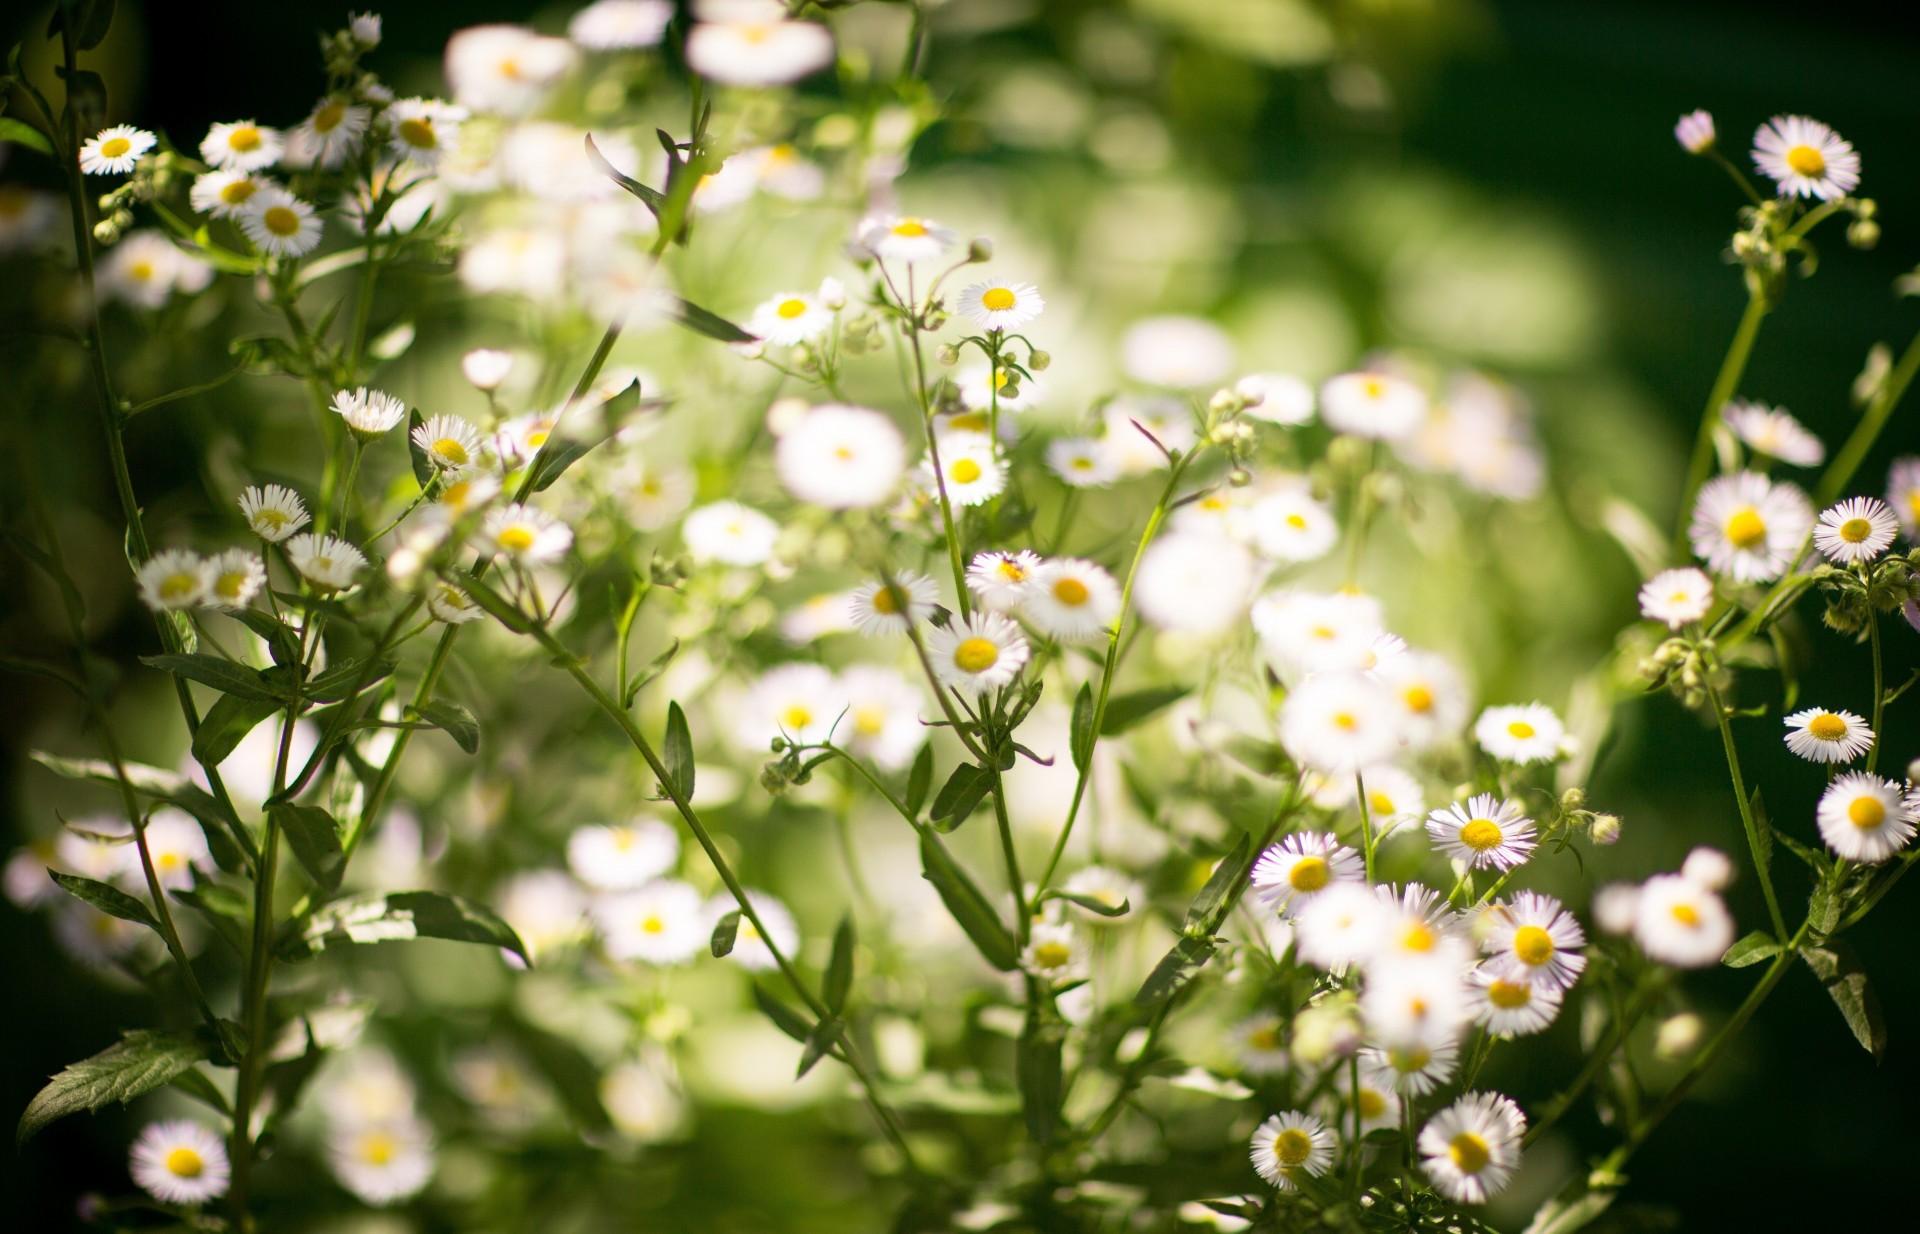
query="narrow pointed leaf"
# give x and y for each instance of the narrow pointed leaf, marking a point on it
(222, 675)
(1037, 1066)
(1839, 970)
(226, 723)
(678, 753)
(960, 796)
(969, 906)
(402, 915)
(1091, 904)
(315, 840)
(651, 198)
(456, 721)
(417, 453)
(839, 979)
(1083, 736)
(140, 1062)
(1126, 710)
(700, 321)
(919, 780)
(108, 899)
(282, 644)
(819, 1044)
(1225, 875)
(1175, 969)
(785, 1018)
(1752, 949)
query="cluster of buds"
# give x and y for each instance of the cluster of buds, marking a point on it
(1574, 815)
(1856, 594)
(1682, 667)
(1864, 231)
(341, 50)
(1757, 247)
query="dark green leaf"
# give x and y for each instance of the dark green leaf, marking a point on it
(1807, 856)
(91, 21)
(314, 838)
(960, 796)
(1762, 838)
(819, 1044)
(1127, 710)
(345, 679)
(39, 668)
(229, 720)
(654, 668)
(24, 134)
(281, 642)
(223, 675)
(225, 836)
(142, 1061)
(784, 1018)
(574, 1076)
(402, 915)
(651, 198)
(621, 405)
(456, 721)
(109, 900)
(1037, 1068)
(1823, 909)
(678, 754)
(839, 979)
(1092, 905)
(1083, 736)
(1839, 970)
(1179, 966)
(725, 931)
(417, 453)
(1225, 875)
(968, 905)
(554, 459)
(919, 780)
(195, 1084)
(1752, 949)
(700, 321)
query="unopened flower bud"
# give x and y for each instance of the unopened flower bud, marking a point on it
(1239, 477)
(1695, 132)
(1863, 233)
(980, 249)
(1605, 829)
(1223, 401)
(948, 355)
(1573, 799)
(1011, 390)
(833, 293)
(105, 232)
(1678, 1035)
(773, 778)
(1038, 361)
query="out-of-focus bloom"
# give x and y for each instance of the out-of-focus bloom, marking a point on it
(1774, 433)
(842, 458)
(1529, 733)
(242, 145)
(750, 43)
(1677, 596)
(1378, 405)
(180, 1161)
(1180, 353)
(1695, 132)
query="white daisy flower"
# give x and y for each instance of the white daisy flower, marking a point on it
(177, 847)
(486, 368)
(750, 949)
(878, 608)
(115, 151)
(522, 437)
(1339, 722)
(1194, 584)
(1828, 736)
(1431, 694)
(368, 413)
(971, 469)
(146, 268)
(663, 922)
(905, 238)
(1289, 524)
(1677, 921)
(1292, 873)
(1471, 1149)
(1677, 597)
(1055, 954)
(612, 25)
(365, 28)
(980, 654)
(1903, 494)
(1511, 1006)
(1378, 405)
(450, 604)
(329, 136)
(242, 145)
(1000, 304)
(842, 458)
(450, 443)
(622, 856)
(1485, 832)
(1277, 398)
(1527, 733)
(1858, 529)
(1417, 925)
(882, 720)
(1292, 1143)
(749, 43)
(652, 497)
(1373, 1099)
(505, 69)
(279, 223)
(1535, 940)
(238, 576)
(1260, 1043)
(1774, 433)
(1410, 1004)
(1071, 600)
(1082, 462)
(424, 130)
(1805, 158)
(1176, 352)
(385, 1162)
(180, 1161)
(1695, 132)
(225, 194)
(175, 580)
(730, 533)
(1748, 527)
(1413, 1072)
(525, 535)
(1339, 925)
(791, 318)
(1310, 632)
(1000, 581)
(1394, 798)
(796, 702)
(1865, 818)
(545, 908)
(327, 562)
(1709, 867)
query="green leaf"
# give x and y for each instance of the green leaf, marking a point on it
(225, 836)
(400, 915)
(960, 796)
(38, 668)
(226, 723)
(574, 1076)
(1565, 1217)
(314, 838)
(1823, 909)
(456, 721)
(140, 1062)
(1762, 838)
(417, 453)
(819, 1043)
(1092, 905)
(839, 979)
(554, 459)
(1175, 969)
(22, 133)
(653, 199)
(1038, 1071)
(700, 321)
(919, 780)
(1083, 736)
(282, 644)
(678, 754)
(621, 405)
(652, 671)
(1128, 710)
(1225, 875)
(344, 679)
(91, 21)
(1839, 970)
(725, 931)
(784, 1018)
(223, 675)
(109, 900)
(968, 905)
(1752, 949)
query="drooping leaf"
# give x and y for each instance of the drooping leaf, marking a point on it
(222, 674)
(968, 905)
(108, 899)
(725, 932)
(399, 915)
(919, 780)
(960, 796)
(839, 978)
(24, 134)
(140, 1062)
(282, 643)
(700, 321)
(784, 1018)
(1175, 969)
(653, 199)
(1839, 970)
(1823, 909)
(1225, 874)
(91, 21)
(226, 723)
(1752, 949)
(342, 680)
(1092, 904)
(453, 719)
(678, 753)
(1126, 710)
(1082, 735)
(1038, 1070)
(226, 838)
(314, 838)
(819, 1043)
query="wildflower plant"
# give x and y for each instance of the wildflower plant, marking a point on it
(1129, 818)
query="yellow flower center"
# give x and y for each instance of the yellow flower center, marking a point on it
(1854, 530)
(1373, 387)
(183, 1162)
(1481, 834)
(1806, 160)
(1406, 1062)
(1419, 937)
(754, 32)
(280, 220)
(1520, 729)
(244, 139)
(1685, 914)
(1469, 1153)
(452, 451)
(869, 721)
(537, 437)
(1012, 571)
(1866, 812)
(652, 924)
(976, 655)
(142, 271)
(114, 147)
(1371, 1104)
(1509, 995)
(1292, 1146)
(1052, 955)
(1297, 521)
(517, 538)
(889, 601)
(377, 1149)
(417, 131)
(1266, 1037)
(624, 839)
(997, 299)
(1745, 529)
(1533, 945)
(972, 422)
(1827, 727)
(179, 586)
(1418, 699)
(796, 717)
(911, 228)
(966, 471)
(1346, 721)
(328, 118)
(229, 585)
(791, 309)
(238, 192)
(1310, 874)
(1070, 592)
(272, 520)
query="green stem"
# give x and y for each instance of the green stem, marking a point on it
(1860, 442)
(1724, 385)
(1879, 691)
(1021, 916)
(1617, 1032)
(1747, 819)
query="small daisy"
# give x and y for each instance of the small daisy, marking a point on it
(792, 318)
(1340, 924)
(751, 949)
(242, 146)
(1858, 529)
(1805, 158)
(882, 718)
(1535, 940)
(1748, 527)
(663, 922)
(1774, 433)
(1528, 733)
(878, 608)
(1431, 694)
(383, 1162)
(327, 562)
(331, 134)
(1310, 632)
(450, 443)
(368, 413)
(1373, 405)
(1373, 1099)
(1000, 581)
(842, 458)
(1290, 525)
(450, 604)
(1196, 584)
(1000, 304)
(1300, 867)
(1410, 1004)
(279, 223)
(1695, 132)
(1903, 494)
(983, 653)
(178, 848)
(730, 533)
(175, 580)
(1071, 600)
(225, 194)
(1677, 921)
(611, 25)
(1417, 924)
(424, 130)
(1471, 1149)
(1082, 462)
(1484, 832)
(1339, 722)
(180, 1161)
(1677, 597)
(115, 151)
(1055, 954)
(902, 238)
(1393, 798)
(750, 44)
(1828, 736)
(622, 856)
(1292, 1143)
(1413, 1072)
(1261, 1042)
(1511, 1006)
(238, 576)
(273, 513)
(970, 470)
(525, 535)
(1865, 818)
(792, 702)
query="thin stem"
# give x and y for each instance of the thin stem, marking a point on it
(1366, 824)
(1637, 1007)
(1724, 385)
(1879, 691)
(1018, 885)
(1747, 819)
(1860, 442)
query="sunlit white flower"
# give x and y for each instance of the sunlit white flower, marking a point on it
(1070, 599)
(1858, 529)
(982, 653)
(1748, 527)
(663, 922)
(1774, 433)
(970, 470)
(882, 719)
(1533, 939)
(1865, 818)
(450, 443)
(1179, 353)
(1805, 158)
(424, 130)
(1527, 733)
(1695, 132)
(842, 458)
(1195, 584)
(1308, 632)
(327, 562)
(1903, 493)
(749, 43)
(905, 238)
(1372, 405)
(486, 368)
(175, 580)
(1416, 1003)
(1393, 798)
(505, 69)
(279, 223)
(238, 575)
(1828, 736)
(794, 702)
(115, 151)
(1511, 1006)
(146, 268)
(1339, 925)
(1289, 524)
(1000, 580)
(177, 847)
(782, 171)
(1055, 953)
(1292, 1143)
(609, 25)
(751, 949)
(1302, 866)
(448, 603)
(622, 856)
(1677, 597)
(242, 145)
(385, 1162)
(1418, 925)
(880, 608)
(225, 194)
(180, 1161)
(1414, 1071)
(1430, 693)
(1485, 832)
(329, 136)
(522, 437)
(1679, 922)
(1471, 1149)
(731, 533)
(1277, 398)
(790, 318)
(1708, 867)
(1082, 462)
(368, 413)
(545, 908)
(526, 535)
(1338, 722)
(1000, 304)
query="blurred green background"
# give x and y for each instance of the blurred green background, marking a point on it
(1364, 171)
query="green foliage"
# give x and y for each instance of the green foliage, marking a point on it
(141, 1061)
